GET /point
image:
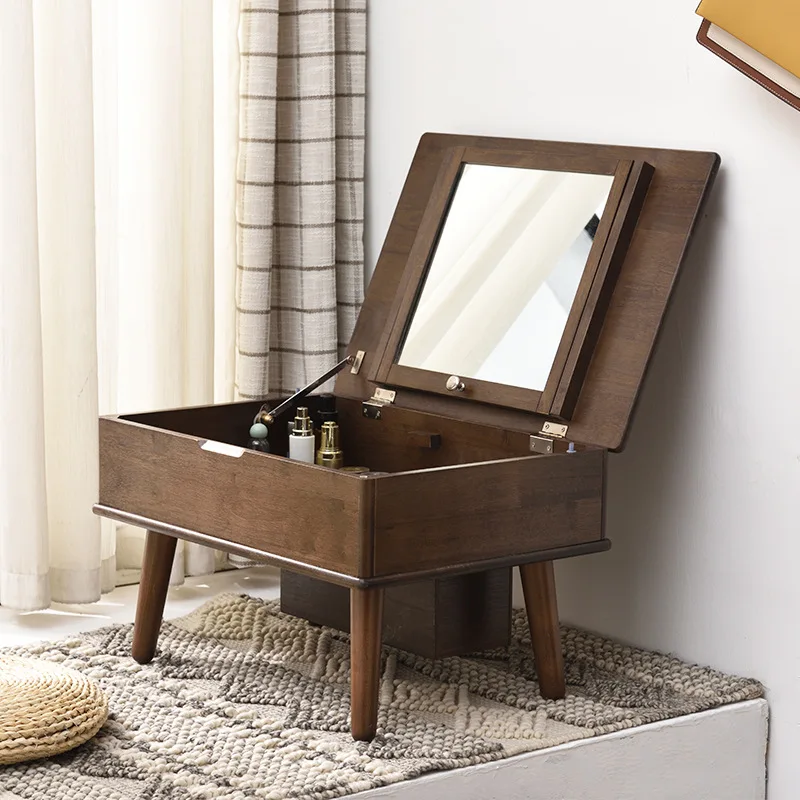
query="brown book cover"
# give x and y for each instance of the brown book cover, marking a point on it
(752, 63)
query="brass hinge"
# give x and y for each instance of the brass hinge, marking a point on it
(543, 443)
(554, 429)
(381, 397)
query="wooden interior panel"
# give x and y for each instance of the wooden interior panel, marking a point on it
(299, 511)
(480, 511)
(227, 422)
(394, 443)
(671, 210)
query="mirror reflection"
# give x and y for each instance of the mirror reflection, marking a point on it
(504, 274)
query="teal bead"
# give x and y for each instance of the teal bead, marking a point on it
(258, 431)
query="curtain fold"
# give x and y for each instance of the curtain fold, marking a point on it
(226, 146)
(165, 264)
(24, 552)
(104, 84)
(300, 189)
(65, 187)
(118, 138)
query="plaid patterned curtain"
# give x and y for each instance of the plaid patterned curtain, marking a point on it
(300, 189)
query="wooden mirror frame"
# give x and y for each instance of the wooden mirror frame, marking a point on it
(584, 321)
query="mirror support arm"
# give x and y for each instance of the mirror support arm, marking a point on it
(268, 416)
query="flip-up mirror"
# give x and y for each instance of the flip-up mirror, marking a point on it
(503, 278)
(509, 276)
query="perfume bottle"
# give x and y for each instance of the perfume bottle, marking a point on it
(330, 453)
(301, 439)
(326, 411)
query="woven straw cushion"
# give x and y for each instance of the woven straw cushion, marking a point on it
(45, 709)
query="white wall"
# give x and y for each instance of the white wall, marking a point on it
(704, 503)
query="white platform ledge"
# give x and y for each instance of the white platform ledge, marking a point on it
(715, 755)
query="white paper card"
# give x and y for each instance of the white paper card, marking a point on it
(222, 448)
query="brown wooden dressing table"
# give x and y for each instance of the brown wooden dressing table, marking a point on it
(476, 474)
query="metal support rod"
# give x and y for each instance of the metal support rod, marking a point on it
(268, 416)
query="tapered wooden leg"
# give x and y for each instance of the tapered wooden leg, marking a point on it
(366, 617)
(539, 588)
(159, 550)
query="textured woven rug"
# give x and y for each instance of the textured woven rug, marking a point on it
(245, 702)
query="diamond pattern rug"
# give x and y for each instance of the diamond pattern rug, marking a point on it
(243, 701)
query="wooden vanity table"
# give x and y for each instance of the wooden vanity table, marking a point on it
(496, 360)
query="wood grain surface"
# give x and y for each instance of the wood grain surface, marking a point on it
(480, 511)
(541, 605)
(159, 551)
(299, 511)
(366, 612)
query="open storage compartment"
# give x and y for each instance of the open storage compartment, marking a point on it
(479, 495)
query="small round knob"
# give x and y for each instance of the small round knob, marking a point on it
(454, 384)
(258, 430)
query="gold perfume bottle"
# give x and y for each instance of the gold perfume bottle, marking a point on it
(329, 453)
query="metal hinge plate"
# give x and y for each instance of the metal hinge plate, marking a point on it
(543, 442)
(358, 360)
(381, 397)
(554, 429)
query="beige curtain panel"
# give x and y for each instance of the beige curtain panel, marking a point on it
(118, 244)
(300, 190)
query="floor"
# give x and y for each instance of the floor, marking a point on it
(715, 755)
(119, 606)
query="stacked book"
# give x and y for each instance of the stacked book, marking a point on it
(761, 38)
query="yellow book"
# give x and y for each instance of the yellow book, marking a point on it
(772, 27)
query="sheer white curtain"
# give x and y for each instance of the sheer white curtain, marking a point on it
(118, 140)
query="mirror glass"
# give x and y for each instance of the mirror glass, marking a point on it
(504, 274)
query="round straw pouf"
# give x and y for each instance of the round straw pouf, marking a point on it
(45, 709)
